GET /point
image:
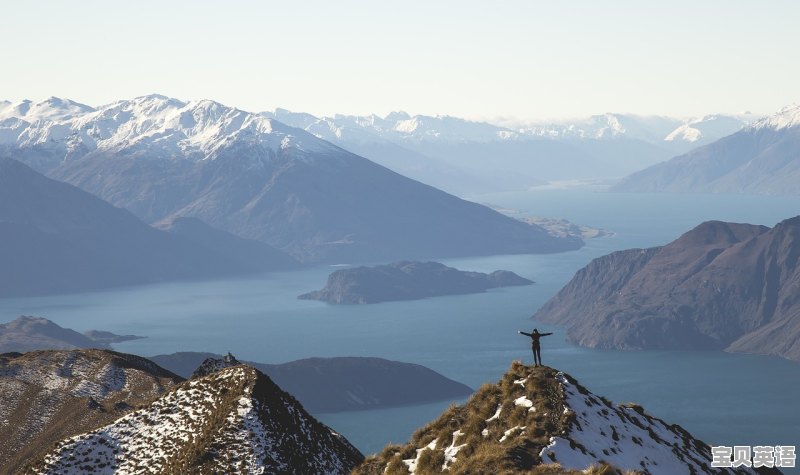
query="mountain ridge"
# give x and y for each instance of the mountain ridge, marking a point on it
(539, 420)
(50, 395)
(761, 158)
(230, 421)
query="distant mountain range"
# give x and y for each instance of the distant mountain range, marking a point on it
(467, 157)
(58, 238)
(719, 286)
(255, 177)
(762, 158)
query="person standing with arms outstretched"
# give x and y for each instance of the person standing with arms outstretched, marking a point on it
(537, 349)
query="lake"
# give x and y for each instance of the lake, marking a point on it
(721, 398)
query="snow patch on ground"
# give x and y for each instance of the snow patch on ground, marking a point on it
(451, 451)
(510, 432)
(496, 414)
(623, 437)
(412, 463)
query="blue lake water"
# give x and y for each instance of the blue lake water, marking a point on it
(721, 398)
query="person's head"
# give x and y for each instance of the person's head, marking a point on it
(535, 330)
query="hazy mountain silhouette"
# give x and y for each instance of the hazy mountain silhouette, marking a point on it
(58, 238)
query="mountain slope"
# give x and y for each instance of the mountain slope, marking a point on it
(232, 421)
(342, 383)
(537, 420)
(719, 286)
(247, 253)
(260, 179)
(50, 395)
(28, 333)
(763, 158)
(58, 238)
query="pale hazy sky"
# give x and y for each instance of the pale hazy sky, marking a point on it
(516, 58)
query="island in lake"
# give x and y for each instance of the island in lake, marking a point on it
(407, 280)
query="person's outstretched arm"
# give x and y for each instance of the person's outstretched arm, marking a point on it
(523, 333)
(545, 334)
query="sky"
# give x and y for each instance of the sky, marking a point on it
(521, 60)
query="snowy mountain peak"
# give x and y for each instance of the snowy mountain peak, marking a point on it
(232, 421)
(712, 126)
(53, 108)
(195, 130)
(535, 418)
(786, 118)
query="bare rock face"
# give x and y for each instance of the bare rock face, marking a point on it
(235, 420)
(212, 365)
(407, 280)
(719, 286)
(539, 420)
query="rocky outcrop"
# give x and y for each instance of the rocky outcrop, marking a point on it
(407, 281)
(212, 365)
(719, 286)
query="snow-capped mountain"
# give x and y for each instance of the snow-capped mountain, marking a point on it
(400, 127)
(53, 108)
(786, 118)
(652, 129)
(176, 129)
(49, 395)
(232, 421)
(488, 157)
(396, 126)
(709, 128)
(761, 158)
(535, 418)
(244, 173)
(608, 126)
